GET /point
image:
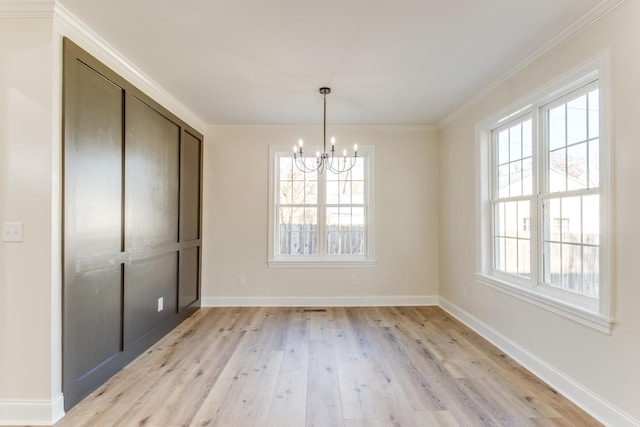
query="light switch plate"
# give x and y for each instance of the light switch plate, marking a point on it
(12, 232)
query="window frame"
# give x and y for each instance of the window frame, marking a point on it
(595, 314)
(321, 260)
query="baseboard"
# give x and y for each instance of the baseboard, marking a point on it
(329, 301)
(31, 412)
(595, 405)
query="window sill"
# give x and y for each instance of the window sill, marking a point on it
(320, 264)
(593, 320)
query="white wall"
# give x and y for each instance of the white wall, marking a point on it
(606, 365)
(26, 181)
(236, 166)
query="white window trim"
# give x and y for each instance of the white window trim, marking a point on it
(322, 261)
(599, 316)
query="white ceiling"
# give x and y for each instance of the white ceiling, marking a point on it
(401, 62)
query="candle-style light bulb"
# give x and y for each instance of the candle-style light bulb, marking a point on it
(355, 147)
(300, 143)
(333, 140)
(295, 149)
(318, 154)
(344, 153)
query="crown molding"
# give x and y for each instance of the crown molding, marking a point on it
(26, 8)
(593, 16)
(334, 128)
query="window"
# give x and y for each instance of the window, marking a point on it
(320, 219)
(543, 200)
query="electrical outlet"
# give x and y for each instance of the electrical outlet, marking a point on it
(240, 280)
(160, 303)
(354, 280)
(12, 232)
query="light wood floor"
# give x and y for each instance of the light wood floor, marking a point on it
(352, 367)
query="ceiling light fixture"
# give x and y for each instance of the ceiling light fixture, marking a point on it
(325, 160)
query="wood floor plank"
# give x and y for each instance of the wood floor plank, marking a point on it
(289, 407)
(296, 349)
(334, 366)
(324, 407)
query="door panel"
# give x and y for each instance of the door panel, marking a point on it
(93, 222)
(189, 276)
(190, 188)
(97, 317)
(152, 181)
(146, 281)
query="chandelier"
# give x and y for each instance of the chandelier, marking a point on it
(325, 160)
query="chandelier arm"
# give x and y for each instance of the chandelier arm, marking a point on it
(338, 170)
(298, 161)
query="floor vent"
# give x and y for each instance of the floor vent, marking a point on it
(314, 310)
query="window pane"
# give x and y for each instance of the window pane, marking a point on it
(498, 254)
(499, 219)
(527, 176)
(527, 139)
(344, 217)
(286, 192)
(572, 268)
(345, 231)
(511, 219)
(524, 220)
(552, 263)
(357, 217)
(503, 147)
(557, 171)
(577, 166)
(345, 192)
(524, 257)
(503, 180)
(357, 173)
(591, 268)
(297, 174)
(591, 219)
(286, 163)
(298, 231)
(553, 220)
(571, 223)
(515, 176)
(311, 192)
(577, 120)
(333, 216)
(557, 127)
(511, 256)
(357, 192)
(594, 163)
(332, 192)
(298, 192)
(515, 142)
(284, 215)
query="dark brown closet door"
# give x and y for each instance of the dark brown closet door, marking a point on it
(92, 226)
(191, 157)
(152, 200)
(131, 238)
